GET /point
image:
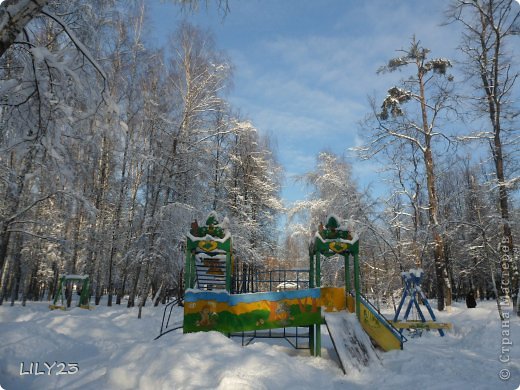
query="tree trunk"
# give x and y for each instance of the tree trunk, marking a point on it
(117, 222)
(17, 271)
(3, 282)
(443, 285)
(492, 80)
(142, 300)
(5, 235)
(133, 291)
(121, 290)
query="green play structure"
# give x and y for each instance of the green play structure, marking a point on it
(208, 256)
(65, 287)
(332, 240)
(209, 302)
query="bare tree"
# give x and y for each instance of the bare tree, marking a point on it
(16, 14)
(489, 26)
(426, 93)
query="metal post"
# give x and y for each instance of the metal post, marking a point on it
(311, 285)
(228, 272)
(347, 273)
(317, 351)
(318, 270)
(357, 286)
(187, 276)
(311, 270)
(401, 303)
(192, 270)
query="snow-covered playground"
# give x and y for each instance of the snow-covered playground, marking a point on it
(112, 349)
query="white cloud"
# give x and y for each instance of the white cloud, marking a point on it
(310, 90)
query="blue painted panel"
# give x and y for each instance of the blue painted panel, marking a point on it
(234, 299)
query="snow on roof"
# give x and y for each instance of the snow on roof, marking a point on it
(332, 215)
(355, 238)
(213, 214)
(207, 237)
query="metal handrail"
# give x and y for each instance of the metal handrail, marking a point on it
(170, 305)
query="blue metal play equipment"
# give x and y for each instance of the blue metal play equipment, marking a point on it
(412, 290)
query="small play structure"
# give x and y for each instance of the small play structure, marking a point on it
(67, 286)
(417, 323)
(336, 239)
(208, 256)
(297, 302)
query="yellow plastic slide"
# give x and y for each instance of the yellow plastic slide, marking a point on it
(378, 328)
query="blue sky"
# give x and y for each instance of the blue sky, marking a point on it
(304, 69)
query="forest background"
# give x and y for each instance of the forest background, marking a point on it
(112, 146)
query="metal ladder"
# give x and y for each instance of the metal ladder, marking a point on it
(211, 273)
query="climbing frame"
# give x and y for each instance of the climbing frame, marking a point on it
(412, 290)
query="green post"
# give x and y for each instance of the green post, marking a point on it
(311, 270)
(357, 287)
(317, 348)
(192, 270)
(228, 272)
(311, 285)
(347, 273)
(187, 270)
(83, 300)
(318, 269)
(58, 293)
(317, 351)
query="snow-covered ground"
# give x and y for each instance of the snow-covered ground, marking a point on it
(109, 348)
